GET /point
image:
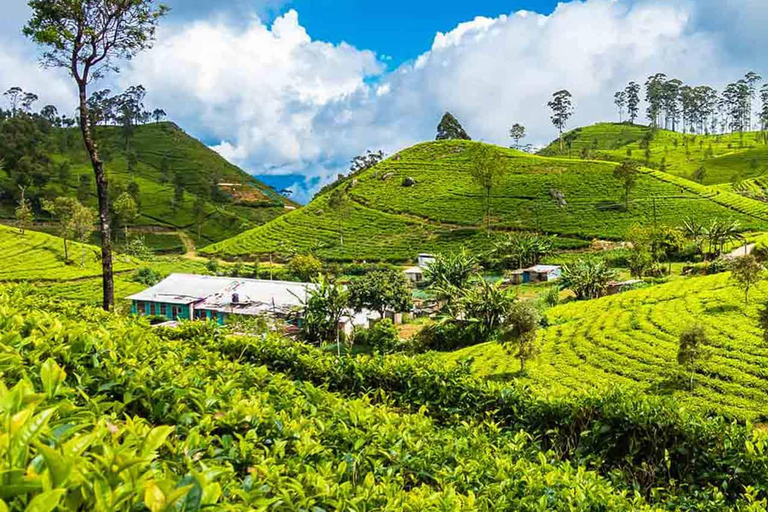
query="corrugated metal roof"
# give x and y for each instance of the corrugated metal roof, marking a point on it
(544, 269)
(216, 293)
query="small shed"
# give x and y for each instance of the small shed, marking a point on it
(537, 274)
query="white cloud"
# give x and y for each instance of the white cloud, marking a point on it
(275, 101)
(258, 88)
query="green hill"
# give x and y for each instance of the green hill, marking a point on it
(725, 158)
(631, 340)
(444, 209)
(50, 162)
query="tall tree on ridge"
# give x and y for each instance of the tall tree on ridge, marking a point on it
(562, 110)
(86, 38)
(517, 132)
(450, 129)
(620, 100)
(633, 101)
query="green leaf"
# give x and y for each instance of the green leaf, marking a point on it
(58, 466)
(52, 376)
(27, 434)
(46, 501)
(13, 490)
(155, 439)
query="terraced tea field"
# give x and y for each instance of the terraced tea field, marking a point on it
(632, 339)
(727, 158)
(444, 209)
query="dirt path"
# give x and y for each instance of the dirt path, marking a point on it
(741, 251)
(190, 251)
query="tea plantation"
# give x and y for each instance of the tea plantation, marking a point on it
(444, 207)
(632, 340)
(166, 158)
(726, 158)
(101, 409)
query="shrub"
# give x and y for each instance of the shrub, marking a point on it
(147, 276)
(382, 337)
(305, 267)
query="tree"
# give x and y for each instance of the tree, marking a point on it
(522, 249)
(158, 115)
(83, 220)
(517, 133)
(485, 307)
(450, 274)
(450, 129)
(691, 350)
(587, 278)
(620, 100)
(178, 189)
(325, 305)
(519, 337)
(14, 95)
(305, 267)
(339, 202)
(64, 209)
(87, 38)
(562, 110)
(125, 211)
(487, 172)
(700, 174)
(633, 101)
(24, 215)
(367, 161)
(132, 160)
(747, 272)
(380, 291)
(627, 173)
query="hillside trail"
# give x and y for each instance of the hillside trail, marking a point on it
(190, 251)
(741, 251)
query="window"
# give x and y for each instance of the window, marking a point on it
(142, 308)
(152, 309)
(176, 311)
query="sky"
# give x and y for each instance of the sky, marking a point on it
(292, 90)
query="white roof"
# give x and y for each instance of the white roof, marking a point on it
(217, 293)
(544, 269)
(414, 270)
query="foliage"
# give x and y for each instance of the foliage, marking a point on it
(24, 215)
(487, 173)
(326, 303)
(519, 337)
(747, 272)
(522, 249)
(380, 291)
(305, 267)
(692, 349)
(562, 110)
(587, 278)
(484, 308)
(517, 133)
(627, 173)
(382, 337)
(452, 273)
(450, 129)
(147, 276)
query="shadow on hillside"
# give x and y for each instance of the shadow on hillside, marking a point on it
(669, 385)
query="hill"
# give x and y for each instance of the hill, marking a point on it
(729, 158)
(181, 185)
(631, 340)
(444, 208)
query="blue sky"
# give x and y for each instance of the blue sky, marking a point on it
(292, 90)
(400, 29)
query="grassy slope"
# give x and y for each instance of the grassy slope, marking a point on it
(732, 158)
(38, 258)
(631, 340)
(445, 208)
(198, 166)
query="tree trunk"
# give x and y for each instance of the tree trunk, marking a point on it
(522, 364)
(561, 141)
(66, 251)
(108, 286)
